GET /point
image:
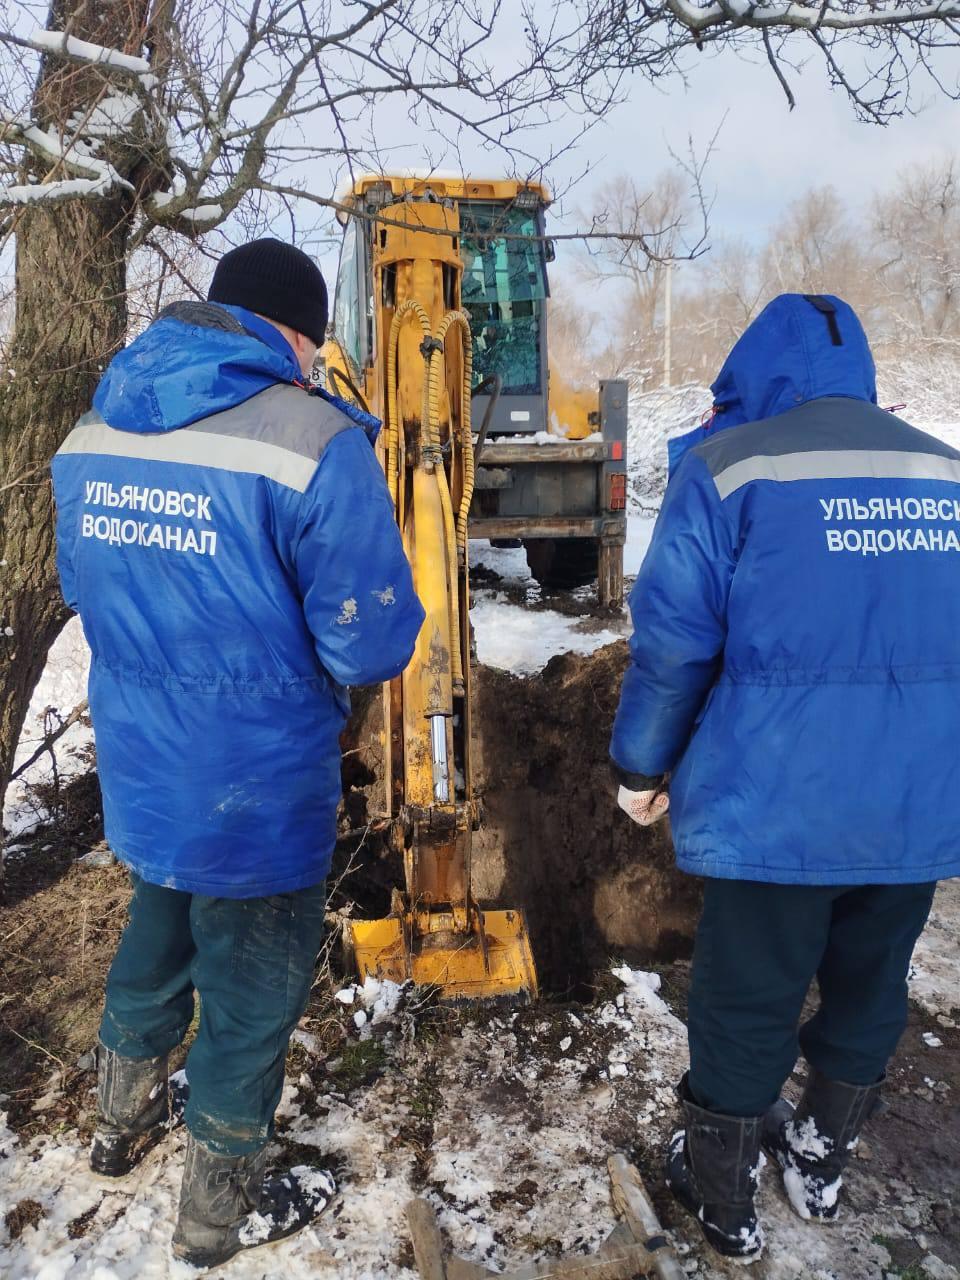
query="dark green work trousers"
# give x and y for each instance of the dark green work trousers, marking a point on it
(758, 948)
(252, 961)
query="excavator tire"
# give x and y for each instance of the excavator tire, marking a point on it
(560, 564)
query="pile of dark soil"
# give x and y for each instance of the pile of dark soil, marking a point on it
(592, 882)
(552, 840)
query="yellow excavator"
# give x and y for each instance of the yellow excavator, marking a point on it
(418, 378)
(420, 385)
(440, 318)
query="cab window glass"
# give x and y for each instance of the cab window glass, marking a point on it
(503, 292)
(346, 310)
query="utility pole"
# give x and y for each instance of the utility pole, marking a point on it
(667, 323)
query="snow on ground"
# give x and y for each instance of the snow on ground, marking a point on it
(935, 973)
(62, 687)
(504, 1123)
(507, 1108)
(516, 633)
(520, 640)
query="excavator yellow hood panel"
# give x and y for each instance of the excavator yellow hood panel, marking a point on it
(453, 962)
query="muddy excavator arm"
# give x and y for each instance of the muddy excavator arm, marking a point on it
(419, 382)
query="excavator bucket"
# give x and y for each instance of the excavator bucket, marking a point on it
(493, 959)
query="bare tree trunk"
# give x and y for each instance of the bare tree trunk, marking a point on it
(71, 316)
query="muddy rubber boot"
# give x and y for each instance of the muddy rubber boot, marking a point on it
(226, 1204)
(137, 1105)
(712, 1169)
(813, 1143)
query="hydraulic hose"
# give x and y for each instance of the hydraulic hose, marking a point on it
(410, 307)
(459, 319)
(433, 447)
(431, 451)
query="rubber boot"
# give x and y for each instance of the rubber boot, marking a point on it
(814, 1142)
(227, 1204)
(136, 1106)
(712, 1168)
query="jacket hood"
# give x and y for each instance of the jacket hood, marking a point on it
(800, 347)
(195, 360)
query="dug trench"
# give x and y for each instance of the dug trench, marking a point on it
(552, 840)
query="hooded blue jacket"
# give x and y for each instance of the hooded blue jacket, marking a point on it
(796, 648)
(229, 543)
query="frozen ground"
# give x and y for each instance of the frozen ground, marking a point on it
(504, 1122)
(935, 976)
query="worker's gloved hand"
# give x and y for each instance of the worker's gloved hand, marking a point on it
(644, 807)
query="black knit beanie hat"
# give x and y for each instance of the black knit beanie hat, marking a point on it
(275, 280)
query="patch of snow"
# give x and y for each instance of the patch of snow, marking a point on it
(936, 1269)
(932, 1041)
(509, 562)
(654, 417)
(523, 640)
(641, 990)
(306, 1040)
(62, 686)
(547, 438)
(639, 533)
(256, 1229)
(379, 999)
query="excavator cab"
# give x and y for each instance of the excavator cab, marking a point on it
(403, 346)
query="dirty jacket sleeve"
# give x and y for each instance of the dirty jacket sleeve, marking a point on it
(679, 611)
(354, 578)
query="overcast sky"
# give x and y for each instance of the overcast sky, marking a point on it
(766, 155)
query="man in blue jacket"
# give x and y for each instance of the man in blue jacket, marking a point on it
(228, 540)
(794, 673)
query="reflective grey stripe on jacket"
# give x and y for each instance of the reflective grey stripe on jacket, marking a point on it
(280, 433)
(827, 439)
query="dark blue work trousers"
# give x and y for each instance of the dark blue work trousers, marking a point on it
(252, 962)
(758, 948)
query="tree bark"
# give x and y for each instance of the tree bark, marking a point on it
(71, 317)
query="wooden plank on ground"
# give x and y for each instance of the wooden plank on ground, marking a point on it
(628, 1261)
(427, 1242)
(460, 1269)
(631, 1200)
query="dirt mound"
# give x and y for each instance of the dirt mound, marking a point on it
(552, 841)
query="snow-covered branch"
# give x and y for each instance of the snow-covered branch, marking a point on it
(91, 176)
(205, 119)
(84, 53)
(829, 15)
